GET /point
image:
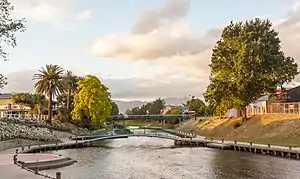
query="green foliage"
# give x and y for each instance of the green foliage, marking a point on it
(8, 29)
(70, 83)
(154, 107)
(3, 81)
(50, 83)
(8, 26)
(92, 101)
(174, 111)
(247, 62)
(197, 105)
(34, 101)
(115, 108)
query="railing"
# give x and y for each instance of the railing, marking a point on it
(24, 116)
(36, 170)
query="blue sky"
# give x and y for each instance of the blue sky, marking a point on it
(68, 42)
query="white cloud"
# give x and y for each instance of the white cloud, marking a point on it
(166, 40)
(121, 88)
(55, 12)
(83, 15)
(162, 36)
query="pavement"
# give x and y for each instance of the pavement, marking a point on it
(8, 170)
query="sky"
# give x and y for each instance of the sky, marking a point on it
(140, 49)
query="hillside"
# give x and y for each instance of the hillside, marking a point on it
(266, 129)
(124, 105)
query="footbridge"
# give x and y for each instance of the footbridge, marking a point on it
(134, 133)
(160, 117)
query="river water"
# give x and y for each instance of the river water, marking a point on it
(150, 158)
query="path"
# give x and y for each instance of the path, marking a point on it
(8, 170)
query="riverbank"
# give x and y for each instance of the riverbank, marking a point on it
(263, 129)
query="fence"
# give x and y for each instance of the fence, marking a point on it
(275, 108)
(24, 116)
(284, 108)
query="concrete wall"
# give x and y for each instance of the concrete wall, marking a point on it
(4, 145)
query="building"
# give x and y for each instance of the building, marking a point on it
(287, 101)
(169, 107)
(7, 107)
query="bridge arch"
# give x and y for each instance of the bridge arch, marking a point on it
(159, 136)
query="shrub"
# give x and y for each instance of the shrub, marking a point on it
(237, 124)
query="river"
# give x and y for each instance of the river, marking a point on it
(150, 158)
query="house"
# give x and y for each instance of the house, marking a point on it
(260, 106)
(7, 107)
(169, 107)
(287, 101)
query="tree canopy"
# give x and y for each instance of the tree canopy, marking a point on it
(197, 105)
(8, 29)
(34, 101)
(247, 62)
(174, 111)
(49, 82)
(92, 101)
(115, 108)
(154, 107)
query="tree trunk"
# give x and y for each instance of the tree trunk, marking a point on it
(244, 115)
(50, 109)
(68, 99)
(68, 104)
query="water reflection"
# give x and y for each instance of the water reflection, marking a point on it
(149, 158)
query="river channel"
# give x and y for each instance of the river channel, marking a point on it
(150, 158)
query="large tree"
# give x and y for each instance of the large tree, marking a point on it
(70, 83)
(50, 83)
(8, 29)
(247, 62)
(92, 101)
(22, 100)
(34, 101)
(115, 108)
(197, 105)
(156, 106)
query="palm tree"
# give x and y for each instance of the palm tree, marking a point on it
(49, 83)
(70, 84)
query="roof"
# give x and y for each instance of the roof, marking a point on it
(5, 95)
(262, 98)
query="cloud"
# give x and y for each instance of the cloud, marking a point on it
(164, 37)
(83, 15)
(55, 12)
(121, 88)
(154, 19)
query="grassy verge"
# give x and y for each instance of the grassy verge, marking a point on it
(262, 129)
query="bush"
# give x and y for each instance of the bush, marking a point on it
(237, 124)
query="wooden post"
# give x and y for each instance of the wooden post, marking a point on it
(250, 143)
(269, 145)
(290, 147)
(58, 175)
(17, 151)
(36, 170)
(15, 159)
(222, 140)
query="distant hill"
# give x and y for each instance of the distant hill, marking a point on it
(124, 105)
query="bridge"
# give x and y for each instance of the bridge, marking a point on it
(166, 134)
(155, 116)
(161, 117)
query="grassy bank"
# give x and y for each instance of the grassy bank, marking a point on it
(264, 129)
